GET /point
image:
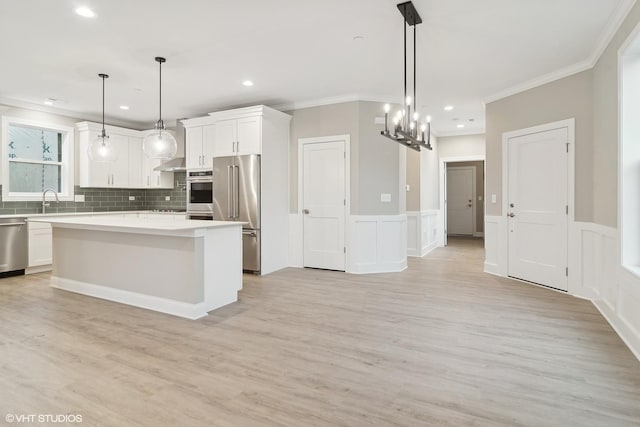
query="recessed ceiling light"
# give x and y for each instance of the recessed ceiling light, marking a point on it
(124, 107)
(448, 108)
(460, 126)
(49, 101)
(85, 12)
(247, 83)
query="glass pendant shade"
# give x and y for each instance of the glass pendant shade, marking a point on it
(102, 150)
(160, 144)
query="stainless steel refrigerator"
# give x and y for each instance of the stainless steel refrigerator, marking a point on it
(236, 197)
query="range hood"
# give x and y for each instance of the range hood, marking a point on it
(178, 163)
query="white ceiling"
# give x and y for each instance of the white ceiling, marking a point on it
(296, 51)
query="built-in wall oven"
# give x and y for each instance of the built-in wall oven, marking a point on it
(200, 194)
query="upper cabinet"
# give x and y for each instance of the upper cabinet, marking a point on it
(200, 141)
(131, 169)
(228, 133)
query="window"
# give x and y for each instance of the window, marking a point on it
(36, 156)
(629, 169)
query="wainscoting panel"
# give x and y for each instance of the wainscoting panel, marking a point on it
(378, 244)
(422, 232)
(598, 276)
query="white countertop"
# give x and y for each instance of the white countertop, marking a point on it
(146, 224)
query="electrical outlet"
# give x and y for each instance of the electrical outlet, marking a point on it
(378, 121)
(494, 198)
(78, 198)
(408, 187)
(167, 198)
(385, 197)
(132, 198)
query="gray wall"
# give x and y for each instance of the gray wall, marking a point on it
(605, 126)
(462, 145)
(413, 181)
(570, 97)
(375, 160)
(430, 176)
(479, 190)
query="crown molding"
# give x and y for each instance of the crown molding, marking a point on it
(601, 45)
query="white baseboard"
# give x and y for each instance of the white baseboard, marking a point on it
(478, 234)
(38, 269)
(630, 336)
(378, 244)
(163, 305)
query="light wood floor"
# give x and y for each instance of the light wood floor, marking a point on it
(439, 344)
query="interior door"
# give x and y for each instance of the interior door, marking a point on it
(323, 206)
(538, 207)
(460, 199)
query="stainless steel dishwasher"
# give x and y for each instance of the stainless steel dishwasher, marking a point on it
(14, 246)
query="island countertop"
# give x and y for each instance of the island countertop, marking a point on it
(138, 225)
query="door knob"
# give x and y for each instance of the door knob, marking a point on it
(512, 205)
(469, 205)
(511, 214)
(305, 211)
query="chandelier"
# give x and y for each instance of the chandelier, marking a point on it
(407, 129)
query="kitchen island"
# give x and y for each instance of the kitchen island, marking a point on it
(181, 267)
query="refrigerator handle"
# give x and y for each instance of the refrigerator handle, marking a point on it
(236, 190)
(229, 192)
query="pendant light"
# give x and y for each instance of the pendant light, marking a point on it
(160, 144)
(407, 129)
(100, 149)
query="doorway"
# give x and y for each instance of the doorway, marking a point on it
(464, 198)
(324, 201)
(538, 199)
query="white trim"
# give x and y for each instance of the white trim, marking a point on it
(495, 238)
(163, 305)
(569, 124)
(443, 189)
(474, 219)
(67, 173)
(347, 190)
(586, 64)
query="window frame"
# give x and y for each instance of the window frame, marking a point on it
(67, 171)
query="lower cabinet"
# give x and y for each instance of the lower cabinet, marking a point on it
(40, 247)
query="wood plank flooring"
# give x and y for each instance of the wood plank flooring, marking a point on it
(439, 344)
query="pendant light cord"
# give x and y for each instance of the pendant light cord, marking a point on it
(103, 104)
(160, 62)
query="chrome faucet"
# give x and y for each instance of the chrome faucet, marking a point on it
(44, 193)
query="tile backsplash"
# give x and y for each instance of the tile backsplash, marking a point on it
(109, 199)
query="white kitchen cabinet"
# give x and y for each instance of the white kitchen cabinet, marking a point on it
(40, 248)
(238, 136)
(102, 174)
(200, 146)
(132, 169)
(137, 176)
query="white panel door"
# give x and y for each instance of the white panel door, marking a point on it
(537, 215)
(460, 195)
(324, 205)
